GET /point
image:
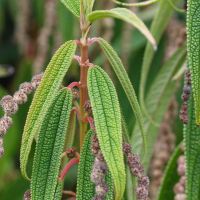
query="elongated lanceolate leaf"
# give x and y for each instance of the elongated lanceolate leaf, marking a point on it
(192, 153)
(157, 101)
(126, 84)
(107, 119)
(49, 147)
(157, 28)
(85, 188)
(170, 177)
(43, 97)
(125, 15)
(193, 49)
(58, 192)
(73, 6)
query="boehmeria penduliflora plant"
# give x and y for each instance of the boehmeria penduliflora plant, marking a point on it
(106, 163)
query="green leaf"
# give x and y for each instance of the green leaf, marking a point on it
(126, 84)
(73, 6)
(85, 188)
(91, 4)
(107, 119)
(157, 101)
(157, 28)
(144, 3)
(43, 97)
(49, 147)
(58, 192)
(125, 132)
(192, 153)
(125, 15)
(193, 49)
(170, 177)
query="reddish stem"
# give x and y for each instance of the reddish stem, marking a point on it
(89, 119)
(77, 58)
(75, 110)
(67, 167)
(73, 85)
(69, 192)
(78, 42)
(93, 40)
(89, 64)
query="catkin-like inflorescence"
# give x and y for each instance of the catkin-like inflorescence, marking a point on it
(135, 171)
(2, 130)
(185, 97)
(20, 97)
(27, 195)
(141, 192)
(132, 160)
(88, 107)
(8, 105)
(99, 156)
(178, 188)
(126, 148)
(26, 87)
(100, 166)
(94, 140)
(1, 142)
(36, 80)
(188, 80)
(6, 122)
(97, 197)
(180, 197)
(187, 89)
(181, 160)
(1, 152)
(75, 94)
(70, 152)
(102, 189)
(97, 177)
(143, 181)
(95, 150)
(187, 72)
(182, 180)
(181, 169)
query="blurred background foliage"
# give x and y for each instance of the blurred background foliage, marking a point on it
(32, 30)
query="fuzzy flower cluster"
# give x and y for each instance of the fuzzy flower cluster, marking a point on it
(10, 105)
(99, 170)
(88, 107)
(70, 152)
(185, 97)
(27, 195)
(179, 188)
(137, 170)
(75, 94)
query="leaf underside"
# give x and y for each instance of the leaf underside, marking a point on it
(43, 97)
(85, 188)
(73, 6)
(126, 84)
(107, 119)
(192, 153)
(157, 29)
(157, 101)
(125, 15)
(193, 49)
(49, 147)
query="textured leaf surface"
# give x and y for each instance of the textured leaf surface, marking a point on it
(126, 84)
(193, 48)
(157, 101)
(157, 28)
(49, 147)
(58, 192)
(144, 3)
(170, 177)
(85, 188)
(192, 153)
(107, 119)
(43, 97)
(125, 15)
(73, 6)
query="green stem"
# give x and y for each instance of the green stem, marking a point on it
(83, 93)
